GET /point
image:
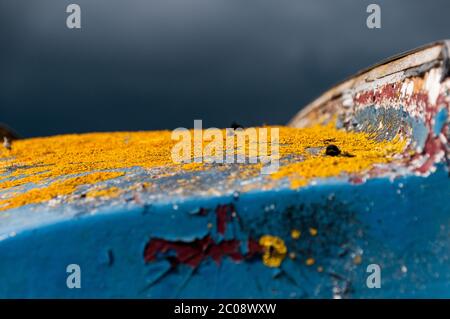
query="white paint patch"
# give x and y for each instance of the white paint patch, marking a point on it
(432, 85)
(407, 89)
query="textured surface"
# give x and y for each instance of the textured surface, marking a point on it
(59, 172)
(141, 226)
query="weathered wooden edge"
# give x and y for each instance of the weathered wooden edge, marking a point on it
(416, 61)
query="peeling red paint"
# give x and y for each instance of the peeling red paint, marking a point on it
(194, 252)
(222, 213)
(388, 91)
(434, 146)
(356, 180)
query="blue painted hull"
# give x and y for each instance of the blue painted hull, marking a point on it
(403, 226)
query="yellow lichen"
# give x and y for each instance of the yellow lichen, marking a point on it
(274, 250)
(48, 163)
(108, 192)
(313, 231)
(357, 259)
(295, 234)
(364, 150)
(310, 261)
(59, 188)
(193, 166)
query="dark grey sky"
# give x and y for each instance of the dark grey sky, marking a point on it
(160, 64)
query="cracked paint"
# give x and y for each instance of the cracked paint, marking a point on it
(144, 228)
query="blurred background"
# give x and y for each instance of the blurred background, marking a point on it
(160, 64)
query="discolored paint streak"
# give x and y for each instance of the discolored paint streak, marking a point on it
(435, 143)
(223, 216)
(388, 91)
(194, 252)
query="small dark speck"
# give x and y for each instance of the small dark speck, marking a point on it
(332, 150)
(345, 154)
(236, 125)
(110, 257)
(146, 209)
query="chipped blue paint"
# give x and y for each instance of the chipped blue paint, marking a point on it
(402, 225)
(392, 119)
(439, 121)
(397, 220)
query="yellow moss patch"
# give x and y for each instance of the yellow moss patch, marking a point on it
(193, 166)
(364, 151)
(313, 231)
(108, 192)
(357, 259)
(59, 188)
(46, 160)
(310, 262)
(295, 234)
(274, 250)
